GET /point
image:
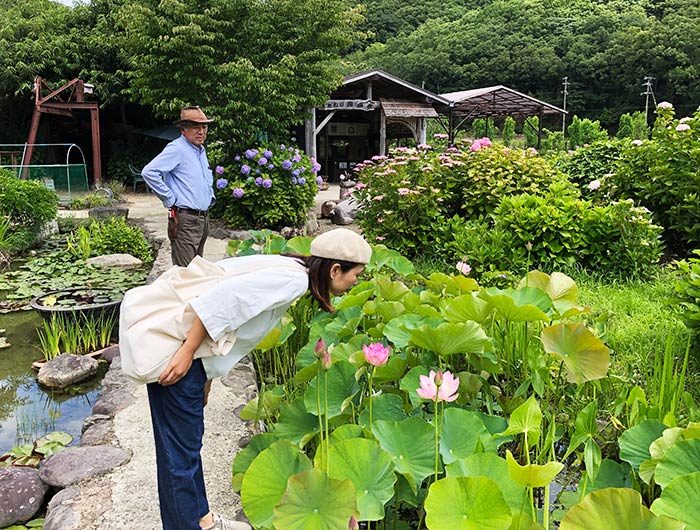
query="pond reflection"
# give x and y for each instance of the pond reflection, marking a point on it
(28, 411)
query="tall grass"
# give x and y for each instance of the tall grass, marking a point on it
(80, 335)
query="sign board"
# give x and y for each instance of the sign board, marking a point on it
(351, 104)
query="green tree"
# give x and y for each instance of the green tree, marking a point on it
(251, 65)
(624, 130)
(508, 131)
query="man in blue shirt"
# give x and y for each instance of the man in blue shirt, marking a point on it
(180, 176)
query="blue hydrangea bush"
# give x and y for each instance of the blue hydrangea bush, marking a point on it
(266, 187)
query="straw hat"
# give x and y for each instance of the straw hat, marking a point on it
(192, 115)
(341, 244)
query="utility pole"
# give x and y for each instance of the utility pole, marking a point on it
(649, 91)
(565, 83)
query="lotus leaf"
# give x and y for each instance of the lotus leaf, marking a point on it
(635, 441)
(411, 444)
(295, 424)
(614, 509)
(527, 304)
(466, 503)
(313, 501)
(244, 457)
(266, 480)
(390, 290)
(682, 458)
(491, 466)
(342, 387)
(460, 434)
(396, 330)
(585, 356)
(370, 469)
(387, 407)
(449, 338)
(679, 500)
(466, 307)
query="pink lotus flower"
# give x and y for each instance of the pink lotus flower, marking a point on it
(438, 386)
(320, 348)
(463, 267)
(376, 353)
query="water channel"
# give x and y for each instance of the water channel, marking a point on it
(28, 411)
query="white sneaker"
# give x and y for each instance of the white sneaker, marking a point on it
(224, 524)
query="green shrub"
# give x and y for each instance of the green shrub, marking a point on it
(488, 175)
(112, 236)
(257, 191)
(29, 206)
(560, 230)
(553, 140)
(687, 289)
(137, 155)
(409, 198)
(633, 126)
(585, 131)
(663, 174)
(484, 127)
(89, 201)
(593, 162)
(530, 128)
(508, 131)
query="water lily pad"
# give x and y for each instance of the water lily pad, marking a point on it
(527, 304)
(682, 458)
(449, 338)
(635, 441)
(460, 434)
(342, 387)
(295, 424)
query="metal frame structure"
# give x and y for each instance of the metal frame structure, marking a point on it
(495, 102)
(63, 104)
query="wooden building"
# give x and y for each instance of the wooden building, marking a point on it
(363, 115)
(370, 110)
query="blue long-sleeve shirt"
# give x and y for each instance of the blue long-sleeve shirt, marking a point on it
(180, 176)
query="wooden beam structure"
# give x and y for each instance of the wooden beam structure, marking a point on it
(63, 101)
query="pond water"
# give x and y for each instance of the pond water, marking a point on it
(28, 411)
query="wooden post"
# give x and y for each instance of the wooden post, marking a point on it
(310, 133)
(382, 132)
(96, 156)
(36, 118)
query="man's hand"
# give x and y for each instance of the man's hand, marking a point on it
(178, 366)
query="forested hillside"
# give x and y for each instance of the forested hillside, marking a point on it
(605, 48)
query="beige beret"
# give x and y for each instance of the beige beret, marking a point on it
(341, 244)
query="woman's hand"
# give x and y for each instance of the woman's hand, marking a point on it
(178, 366)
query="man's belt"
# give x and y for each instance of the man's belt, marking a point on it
(190, 211)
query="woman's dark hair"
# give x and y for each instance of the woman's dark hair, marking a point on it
(320, 276)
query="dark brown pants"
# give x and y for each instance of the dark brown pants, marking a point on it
(187, 238)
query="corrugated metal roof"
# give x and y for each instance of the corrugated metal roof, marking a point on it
(497, 101)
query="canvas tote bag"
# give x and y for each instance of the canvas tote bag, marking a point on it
(154, 319)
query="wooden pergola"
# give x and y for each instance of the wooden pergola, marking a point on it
(63, 101)
(494, 102)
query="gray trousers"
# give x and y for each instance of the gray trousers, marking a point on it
(187, 237)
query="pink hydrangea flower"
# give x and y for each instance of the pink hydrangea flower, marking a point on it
(360, 185)
(376, 353)
(438, 386)
(403, 191)
(664, 105)
(594, 185)
(463, 267)
(682, 127)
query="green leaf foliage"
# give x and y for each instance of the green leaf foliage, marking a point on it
(265, 481)
(586, 357)
(615, 509)
(313, 501)
(370, 469)
(679, 500)
(466, 503)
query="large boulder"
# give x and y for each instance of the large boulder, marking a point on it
(67, 369)
(123, 261)
(105, 212)
(21, 494)
(78, 463)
